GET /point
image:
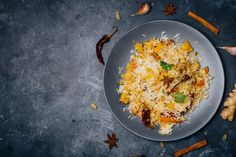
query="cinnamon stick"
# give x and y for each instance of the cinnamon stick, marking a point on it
(202, 21)
(197, 145)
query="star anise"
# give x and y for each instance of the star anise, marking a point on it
(169, 9)
(111, 140)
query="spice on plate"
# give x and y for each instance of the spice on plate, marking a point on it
(167, 81)
(190, 148)
(111, 140)
(117, 15)
(203, 22)
(169, 9)
(146, 117)
(100, 44)
(185, 78)
(143, 9)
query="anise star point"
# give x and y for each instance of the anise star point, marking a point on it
(169, 9)
(111, 141)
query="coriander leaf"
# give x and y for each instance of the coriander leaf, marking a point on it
(165, 65)
(179, 97)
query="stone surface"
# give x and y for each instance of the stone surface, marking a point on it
(49, 75)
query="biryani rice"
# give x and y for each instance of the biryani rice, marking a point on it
(155, 68)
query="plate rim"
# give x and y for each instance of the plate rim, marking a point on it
(206, 122)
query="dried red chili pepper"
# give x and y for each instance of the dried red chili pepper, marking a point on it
(146, 117)
(100, 44)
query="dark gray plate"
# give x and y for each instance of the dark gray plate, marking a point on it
(120, 56)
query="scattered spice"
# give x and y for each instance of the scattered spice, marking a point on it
(100, 44)
(73, 120)
(185, 78)
(225, 137)
(117, 15)
(156, 56)
(197, 145)
(230, 49)
(167, 81)
(169, 9)
(111, 141)
(143, 9)
(171, 114)
(146, 117)
(229, 106)
(203, 22)
(161, 144)
(170, 42)
(93, 106)
(192, 95)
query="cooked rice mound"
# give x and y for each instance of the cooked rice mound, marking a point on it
(164, 77)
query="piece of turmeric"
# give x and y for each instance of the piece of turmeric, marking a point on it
(229, 106)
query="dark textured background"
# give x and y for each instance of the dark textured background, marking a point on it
(49, 75)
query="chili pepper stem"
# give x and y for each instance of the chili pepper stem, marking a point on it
(110, 35)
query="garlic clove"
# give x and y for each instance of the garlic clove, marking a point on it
(230, 49)
(143, 9)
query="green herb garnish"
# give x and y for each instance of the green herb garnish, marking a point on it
(179, 97)
(165, 65)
